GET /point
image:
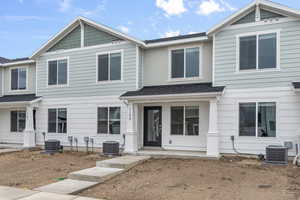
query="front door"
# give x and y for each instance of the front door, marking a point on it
(152, 126)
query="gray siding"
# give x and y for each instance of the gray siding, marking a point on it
(1, 82)
(93, 36)
(225, 58)
(30, 80)
(82, 73)
(264, 14)
(156, 64)
(246, 19)
(72, 40)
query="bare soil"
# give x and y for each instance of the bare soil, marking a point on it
(231, 178)
(31, 169)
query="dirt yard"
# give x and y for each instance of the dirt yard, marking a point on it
(195, 179)
(30, 169)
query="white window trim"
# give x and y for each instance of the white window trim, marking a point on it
(58, 107)
(18, 90)
(184, 131)
(277, 68)
(68, 74)
(256, 119)
(170, 79)
(108, 114)
(122, 65)
(17, 120)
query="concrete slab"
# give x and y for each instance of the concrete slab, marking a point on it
(9, 193)
(85, 198)
(95, 174)
(67, 186)
(124, 162)
(49, 196)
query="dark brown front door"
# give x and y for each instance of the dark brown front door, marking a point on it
(152, 126)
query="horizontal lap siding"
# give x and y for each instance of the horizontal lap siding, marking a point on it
(81, 119)
(1, 82)
(82, 73)
(288, 117)
(225, 58)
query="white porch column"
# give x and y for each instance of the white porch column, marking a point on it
(29, 133)
(213, 135)
(131, 143)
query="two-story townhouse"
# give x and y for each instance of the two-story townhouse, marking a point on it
(193, 92)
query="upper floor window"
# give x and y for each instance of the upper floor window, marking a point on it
(18, 78)
(185, 63)
(258, 51)
(109, 66)
(58, 72)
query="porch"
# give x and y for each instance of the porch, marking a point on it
(17, 120)
(174, 118)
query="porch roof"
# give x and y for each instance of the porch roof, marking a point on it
(178, 89)
(18, 98)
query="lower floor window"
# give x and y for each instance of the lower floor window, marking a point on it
(185, 120)
(109, 120)
(257, 119)
(17, 121)
(57, 120)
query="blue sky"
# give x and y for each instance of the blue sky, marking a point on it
(27, 24)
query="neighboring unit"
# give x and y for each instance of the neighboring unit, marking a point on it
(190, 92)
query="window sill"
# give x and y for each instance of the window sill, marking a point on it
(185, 79)
(18, 91)
(58, 86)
(109, 82)
(257, 138)
(249, 71)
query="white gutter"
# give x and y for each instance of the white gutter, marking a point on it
(178, 41)
(17, 63)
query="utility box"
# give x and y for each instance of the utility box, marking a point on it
(111, 148)
(277, 154)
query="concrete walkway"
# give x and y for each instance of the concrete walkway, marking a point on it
(87, 178)
(9, 193)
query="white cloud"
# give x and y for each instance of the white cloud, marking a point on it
(65, 5)
(208, 7)
(24, 18)
(191, 32)
(21, 1)
(124, 29)
(171, 7)
(172, 33)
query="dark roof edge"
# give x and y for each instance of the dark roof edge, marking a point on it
(187, 36)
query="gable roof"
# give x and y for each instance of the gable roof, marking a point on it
(3, 60)
(77, 22)
(264, 4)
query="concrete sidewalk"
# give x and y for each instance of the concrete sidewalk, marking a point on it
(10, 193)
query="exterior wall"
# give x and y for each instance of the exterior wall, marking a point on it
(93, 36)
(156, 65)
(82, 73)
(287, 118)
(226, 58)
(70, 41)
(140, 68)
(1, 81)
(5, 135)
(81, 119)
(175, 142)
(31, 83)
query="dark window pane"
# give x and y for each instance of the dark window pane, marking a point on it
(21, 121)
(178, 63)
(103, 120)
(103, 67)
(115, 66)
(14, 79)
(62, 71)
(22, 79)
(192, 120)
(247, 121)
(13, 121)
(267, 119)
(267, 51)
(52, 115)
(177, 120)
(62, 120)
(52, 73)
(248, 52)
(114, 120)
(192, 62)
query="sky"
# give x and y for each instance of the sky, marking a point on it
(25, 25)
